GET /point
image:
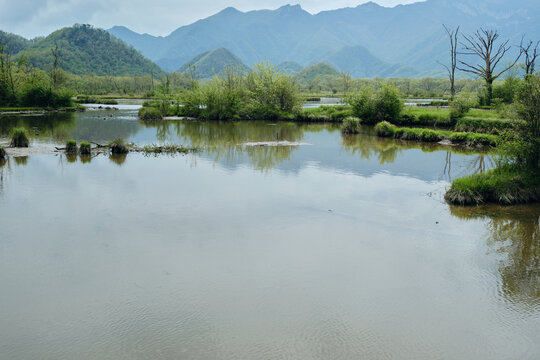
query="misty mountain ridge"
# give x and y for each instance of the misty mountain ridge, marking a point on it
(367, 40)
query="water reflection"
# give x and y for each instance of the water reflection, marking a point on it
(118, 159)
(21, 160)
(513, 232)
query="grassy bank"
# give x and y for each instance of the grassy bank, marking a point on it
(504, 185)
(385, 129)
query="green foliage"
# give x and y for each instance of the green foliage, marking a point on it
(150, 114)
(489, 126)
(461, 104)
(522, 147)
(504, 185)
(118, 146)
(385, 129)
(375, 106)
(87, 50)
(334, 113)
(71, 146)
(85, 148)
(351, 125)
(19, 137)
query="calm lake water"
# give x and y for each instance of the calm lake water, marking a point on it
(338, 248)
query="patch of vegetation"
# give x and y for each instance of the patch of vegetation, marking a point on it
(118, 146)
(386, 129)
(85, 148)
(351, 125)
(88, 99)
(375, 106)
(166, 149)
(71, 147)
(325, 113)
(504, 185)
(488, 125)
(19, 137)
(150, 114)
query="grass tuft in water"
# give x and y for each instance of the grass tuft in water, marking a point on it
(150, 114)
(19, 137)
(71, 147)
(85, 148)
(351, 125)
(118, 146)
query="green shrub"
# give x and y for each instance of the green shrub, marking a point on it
(71, 146)
(150, 114)
(85, 149)
(19, 137)
(462, 104)
(351, 125)
(373, 107)
(385, 129)
(118, 146)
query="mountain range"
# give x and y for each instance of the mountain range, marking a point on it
(368, 40)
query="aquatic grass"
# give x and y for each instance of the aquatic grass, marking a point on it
(19, 137)
(386, 129)
(71, 146)
(505, 185)
(351, 125)
(118, 146)
(166, 149)
(486, 125)
(85, 148)
(150, 114)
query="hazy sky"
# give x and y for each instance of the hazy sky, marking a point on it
(31, 18)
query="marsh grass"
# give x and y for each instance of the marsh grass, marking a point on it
(85, 148)
(150, 114)
(351, 125)
(118, 146)
(19, 138)
(504, 185)
(166, 149)
(71, 147)
(386, 129)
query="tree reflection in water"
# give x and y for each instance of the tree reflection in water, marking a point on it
(514, 232)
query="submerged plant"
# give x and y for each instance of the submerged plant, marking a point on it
(118, 146)
(85, 148)
(71, 147)
(19, 137)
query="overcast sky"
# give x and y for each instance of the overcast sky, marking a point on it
(31, 18)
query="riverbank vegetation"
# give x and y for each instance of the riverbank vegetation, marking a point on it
(517, 176)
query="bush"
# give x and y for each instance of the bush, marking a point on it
(150, 114)
(462, 104)
(19, 137)
(385, 129)
(85, 149)
(351, 125)
(71, 146)
(118, 146)
(373, 107)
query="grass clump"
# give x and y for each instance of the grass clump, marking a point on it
(118, 146)
(150, 114)
(351, 125)
(385, 129)
(85, 148)
(504, 185)
(19, 137)
(375, 106)
(71, 146)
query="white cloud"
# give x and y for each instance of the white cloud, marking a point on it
(32, 18)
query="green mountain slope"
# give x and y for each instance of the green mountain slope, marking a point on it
(214, 62)
(13, 43)
(87, 50)
(317, 70)
(289, 67)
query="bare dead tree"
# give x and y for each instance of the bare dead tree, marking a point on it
(453, 36)
(531, 53)
(482, 44)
